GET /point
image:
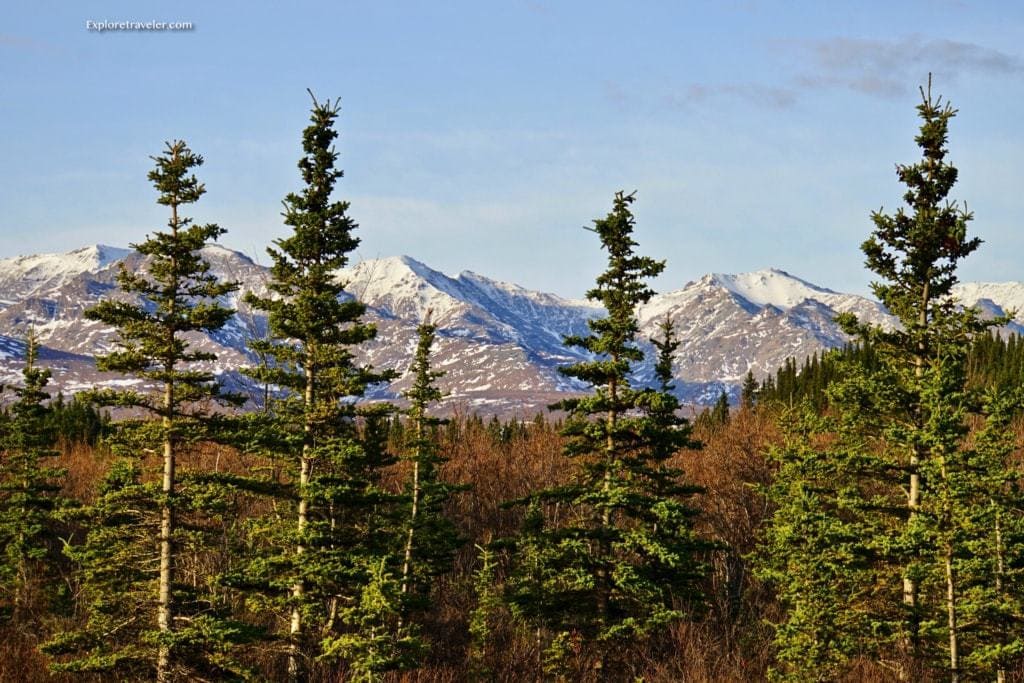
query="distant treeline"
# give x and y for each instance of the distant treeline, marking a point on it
(71, 421)
(993, 361)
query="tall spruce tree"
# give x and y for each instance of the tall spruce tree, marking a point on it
(872, 500)
(29, 492)
(610, 558)
(330, 556)
(176, 296)
(431, 538)
(386, 633)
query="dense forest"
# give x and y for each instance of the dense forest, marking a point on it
(859, 518)
(993, 361)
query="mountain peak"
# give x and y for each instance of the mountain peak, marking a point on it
(389, 270)
(53, 268)
(768, 287)
(101, 255)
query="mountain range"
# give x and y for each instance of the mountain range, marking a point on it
(499, 344)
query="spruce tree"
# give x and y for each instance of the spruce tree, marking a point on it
(175, 297)
(816, 549)
(330, 555)
(431, 538)
(748, 392)
(29, 492)
(990, 531)
(873, 500)
(610, 559)
(386, 634)
(916, 255)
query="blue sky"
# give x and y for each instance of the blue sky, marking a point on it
(484, 135)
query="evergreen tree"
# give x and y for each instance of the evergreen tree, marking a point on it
(115, 584)
(720, 413)
(77, 420)
(29, 491)
(116, 577)
(329, 556)
(916, 256)
(748, 392)
(431, 538)
(610, 559)
(483, 620)
(384, 634)
(378, 640)
(879, 514)
(177, 295)
(813, 552)
(989, 528)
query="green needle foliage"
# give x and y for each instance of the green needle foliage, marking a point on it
(385, 631)
(29, 494)
(878, 542)
(989, 528)
(610, 559)
(377, 641)
(311, 562)
(137, 532)
(117, 574)
(431, 538)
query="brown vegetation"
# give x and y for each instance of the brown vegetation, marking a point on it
(731, 641)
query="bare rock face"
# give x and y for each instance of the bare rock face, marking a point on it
(500, 344)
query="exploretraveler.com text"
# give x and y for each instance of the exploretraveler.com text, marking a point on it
(100, 26)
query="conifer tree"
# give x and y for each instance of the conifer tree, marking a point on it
(29, 490)
(881, 513)
(748, 392)
(620, 563)
(330, 555)
(483, 620)
(176, 295)
(384, 634)
(990, 525)
(916, 256)
(816, 548)
(379, 640)
(720, 412)
(431, 538)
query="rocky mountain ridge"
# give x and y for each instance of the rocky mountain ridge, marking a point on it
(500, 344)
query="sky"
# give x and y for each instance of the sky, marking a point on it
(484, 135)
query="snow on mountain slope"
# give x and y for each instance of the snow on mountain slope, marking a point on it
(405, 287)
(25, 276)
(770, 287)
(766, 288)
(1006, 296)
(496, 341)
(500, 344)
(468, 305)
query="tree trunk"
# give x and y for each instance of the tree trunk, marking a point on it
(954, 648)
(910, 588)
(295, 672)
(407, 563)
(164, 618)
(604, 589)
(1001, 672)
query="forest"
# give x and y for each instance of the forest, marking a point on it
(856, 518)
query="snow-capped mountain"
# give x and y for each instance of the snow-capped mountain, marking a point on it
(729, 325)
(26, 276)
(995, 299)
(500, 344)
